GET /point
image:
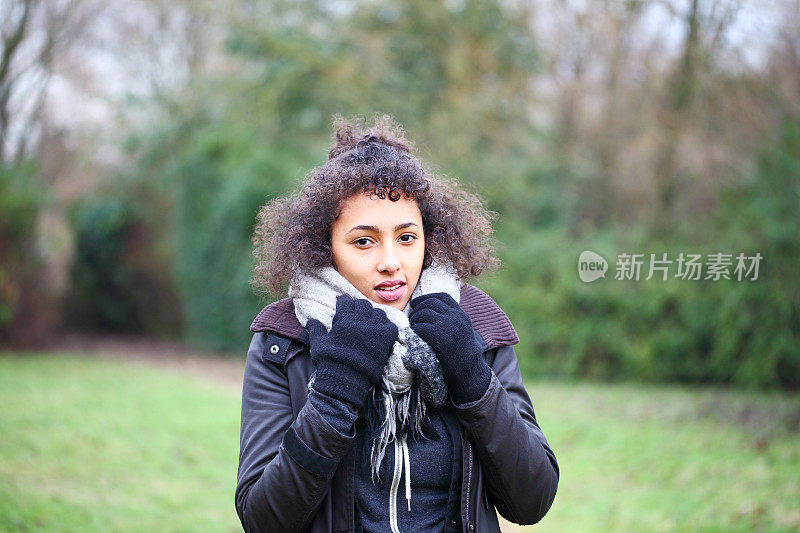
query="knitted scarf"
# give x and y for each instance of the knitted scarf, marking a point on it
(412, 377)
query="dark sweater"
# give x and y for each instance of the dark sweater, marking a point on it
(435, 472)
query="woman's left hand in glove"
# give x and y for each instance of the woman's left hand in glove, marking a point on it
(442, 323)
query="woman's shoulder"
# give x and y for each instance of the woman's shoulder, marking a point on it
(487, 317)
(278, 317)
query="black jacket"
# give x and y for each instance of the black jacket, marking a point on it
(296, 471)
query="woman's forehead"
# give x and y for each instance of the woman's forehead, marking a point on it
(369, 210)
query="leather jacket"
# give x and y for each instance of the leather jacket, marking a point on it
(296, 472)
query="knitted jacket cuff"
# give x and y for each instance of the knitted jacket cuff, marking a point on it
(336, 412)
(471, 383)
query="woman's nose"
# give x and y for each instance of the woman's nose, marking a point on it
(389, 261)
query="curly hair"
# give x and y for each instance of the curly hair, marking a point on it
(293, 233)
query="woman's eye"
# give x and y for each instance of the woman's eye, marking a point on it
(365, 241)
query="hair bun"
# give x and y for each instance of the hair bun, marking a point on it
(367, 140)
(350, 134)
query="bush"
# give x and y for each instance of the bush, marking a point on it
(216, 174)
(24, 314)
(742, 333)
(117, 280)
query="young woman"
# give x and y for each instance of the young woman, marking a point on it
(383, 394)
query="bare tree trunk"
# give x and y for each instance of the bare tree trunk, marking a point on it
(615, 116)
(31, 33)
(13, 33)
(673, 117)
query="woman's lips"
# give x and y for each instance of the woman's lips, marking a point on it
(391, 296)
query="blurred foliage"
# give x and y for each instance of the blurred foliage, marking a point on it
(117, 281)
(567, 138)
(20, 261)
(743, 333)
(216, 174)
(761, 321)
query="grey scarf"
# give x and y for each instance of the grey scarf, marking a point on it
(314, 296)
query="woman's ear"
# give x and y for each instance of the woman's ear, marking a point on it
(332, 262)
(427, 259)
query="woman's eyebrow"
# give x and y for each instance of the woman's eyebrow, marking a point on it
(373, 228)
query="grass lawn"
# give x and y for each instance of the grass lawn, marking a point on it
(637, 458)
(92, 443)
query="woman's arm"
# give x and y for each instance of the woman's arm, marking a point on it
(285, 467)
(520, 468)
(490, 400)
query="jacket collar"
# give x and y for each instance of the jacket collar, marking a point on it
(487, 318)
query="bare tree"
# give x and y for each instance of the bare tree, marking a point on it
(32, 34)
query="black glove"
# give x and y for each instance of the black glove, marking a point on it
(439, 320)
(350, 357)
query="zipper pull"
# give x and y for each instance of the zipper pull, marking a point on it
(407, 462)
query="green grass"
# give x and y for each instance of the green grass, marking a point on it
(99, 444)
(637, 458)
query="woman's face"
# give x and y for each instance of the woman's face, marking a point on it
(378, 244)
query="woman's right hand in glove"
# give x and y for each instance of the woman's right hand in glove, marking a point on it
(350, 357)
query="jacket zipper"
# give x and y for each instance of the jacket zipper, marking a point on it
(469, 481)
(398, 464)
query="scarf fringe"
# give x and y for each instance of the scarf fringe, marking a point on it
(409, 418)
